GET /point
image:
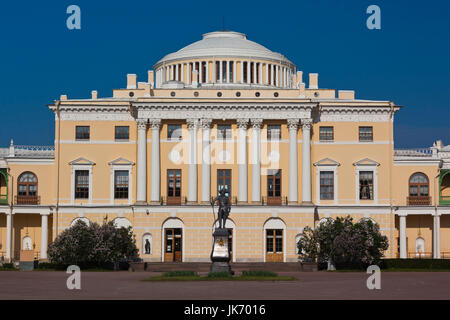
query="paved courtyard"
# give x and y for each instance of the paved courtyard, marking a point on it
(314, 285)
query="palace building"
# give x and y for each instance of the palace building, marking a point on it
(224, 112)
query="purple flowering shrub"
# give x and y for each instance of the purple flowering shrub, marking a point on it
(343, 242)
(93, 245)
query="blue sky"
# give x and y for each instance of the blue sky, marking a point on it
(407, 61)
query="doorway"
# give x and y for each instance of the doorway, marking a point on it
(173, 244)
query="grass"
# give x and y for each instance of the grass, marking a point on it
(249, 275)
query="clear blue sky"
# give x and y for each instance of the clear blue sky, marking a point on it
(407, 61)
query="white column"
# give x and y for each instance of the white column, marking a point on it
(9, 235)
(277, 78)
(155, 162)
(176, 72)
(142, 161)
(248, 72)
(437, 236)
(214, 72)
(171, 72)
(260, 80)
(267, 73)
(256, 160)
(200, 71)
(242, 160)
(207, 72)
(272, 76)
(306, 161)
(228, 71)
(234, 71)
(293, 161)
(206, 160)
(242, 72)
(254, 73)
(44, 235)
(182, 73)
(403, 252)
(220, 71)
(192, 166)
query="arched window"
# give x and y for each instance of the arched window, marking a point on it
(419, 189)
(27, 188)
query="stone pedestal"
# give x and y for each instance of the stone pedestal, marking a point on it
(220, 255)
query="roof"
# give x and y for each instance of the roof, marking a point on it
(224, 44)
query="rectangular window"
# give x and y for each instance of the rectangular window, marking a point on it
(174, 132)
(326, 185)
(224, 180)
(223, 131)
(274, 240)
(122, 132)
(82, 184)
(82, 132)
(121, 184)
(274, 187)
(273, 132)
(365, 134)
(174, 186)
(326, 134)
(366, 185)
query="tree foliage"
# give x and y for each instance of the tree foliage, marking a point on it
(93, 245)
(343, 242)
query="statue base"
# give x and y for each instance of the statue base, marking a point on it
(220, 255)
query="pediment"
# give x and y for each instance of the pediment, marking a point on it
(327, 162)
(121, 162)
(366, 162)
(81, 161)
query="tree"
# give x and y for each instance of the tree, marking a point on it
(93, 245)
(343, 242)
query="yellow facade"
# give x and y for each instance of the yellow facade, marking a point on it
(176, 94)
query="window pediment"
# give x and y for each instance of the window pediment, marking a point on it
(327, 162)
(81, 161)
(121, 161)
(366, 162)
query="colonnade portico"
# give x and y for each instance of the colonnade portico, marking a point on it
(225, 71)
(242, 161)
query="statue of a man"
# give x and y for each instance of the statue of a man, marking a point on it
(147, 246)
(224, 207)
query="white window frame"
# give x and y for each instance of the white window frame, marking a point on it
(369, 166)
(80, 164)
(122, 165)
(327, 165)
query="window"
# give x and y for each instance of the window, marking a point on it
(27, 185)
(274, 240)
(121, 184)
(82, 133)
(174, 132)
(273, 132)
(224, 181)
(418, 185)
(366, 185)
(326, 134)
(223, 131)
(326, 185)
(174, 186)
(274, 187)
(122, 133)
(365, 134)
(81, 184)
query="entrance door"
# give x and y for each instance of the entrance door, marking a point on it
(173, 245)
(274, 245)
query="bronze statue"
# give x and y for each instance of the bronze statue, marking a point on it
(224, 207)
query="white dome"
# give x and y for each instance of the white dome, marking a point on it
(224, 44)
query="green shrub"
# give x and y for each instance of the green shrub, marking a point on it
(180, 274)
(219, 275)
(7, 266)
(258, 273)
(435, 264)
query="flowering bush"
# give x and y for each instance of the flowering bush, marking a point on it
(93, 245)
(343, 242)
